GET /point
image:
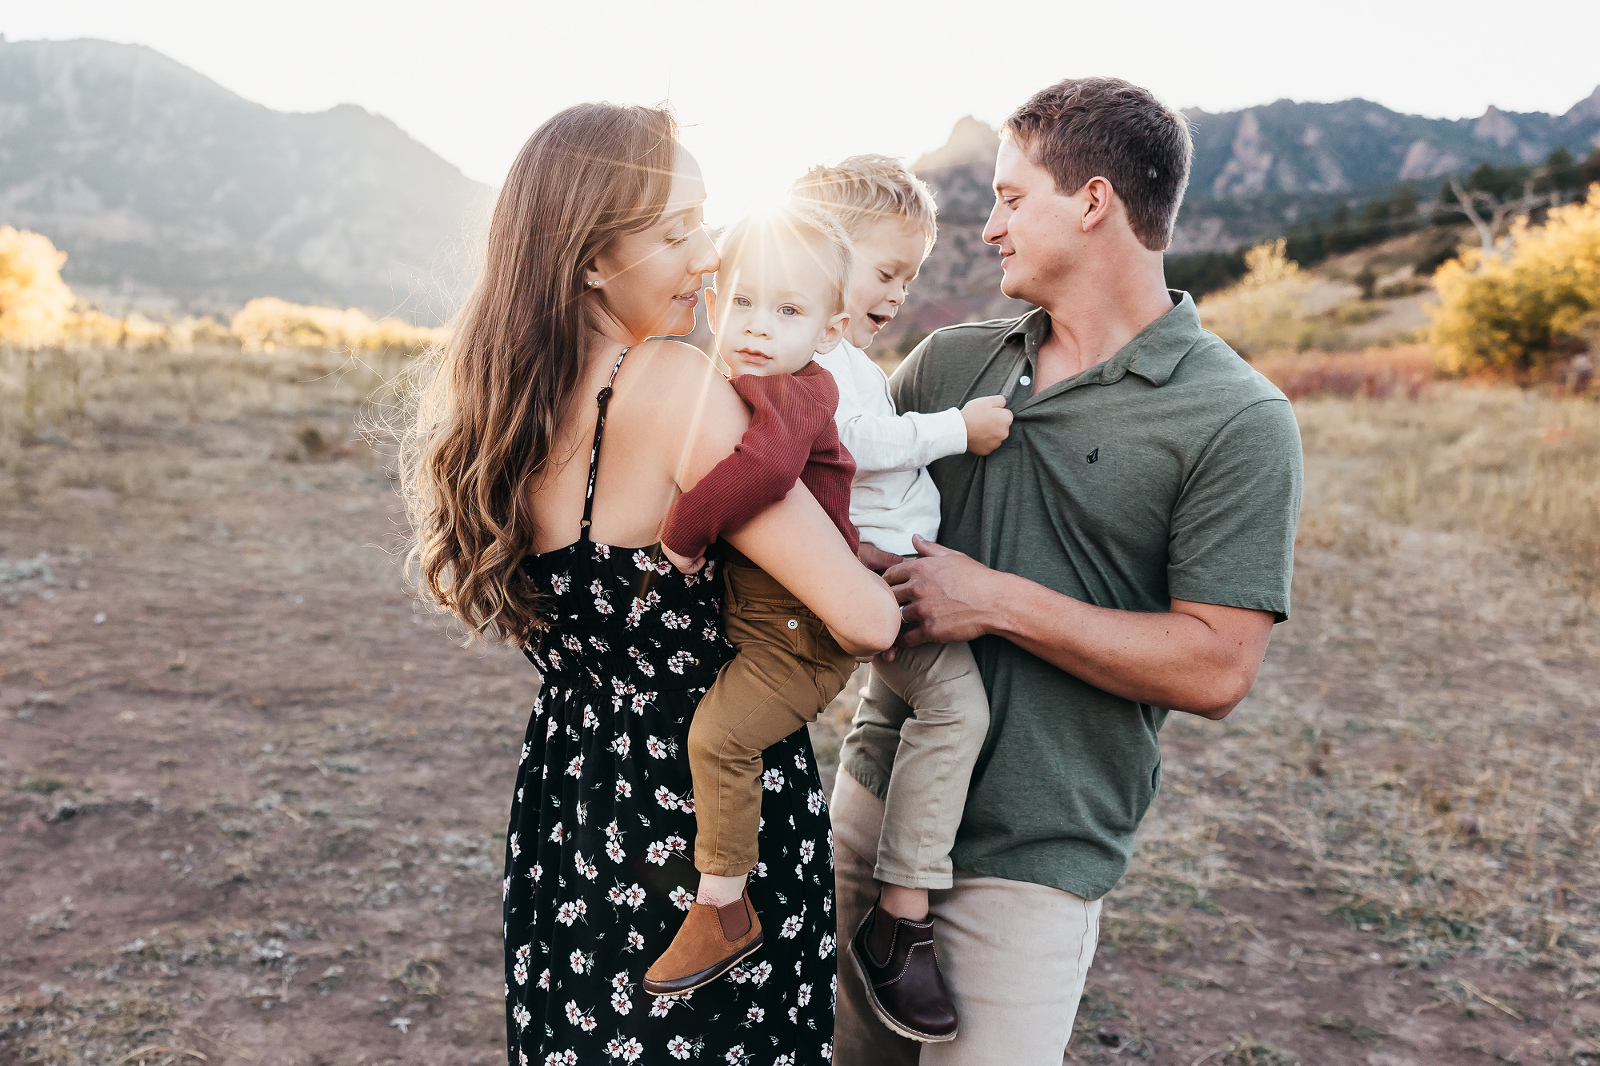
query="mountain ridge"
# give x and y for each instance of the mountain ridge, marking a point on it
(157, 181)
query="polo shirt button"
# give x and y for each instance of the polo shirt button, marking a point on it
(1026, 380)
(793, 624)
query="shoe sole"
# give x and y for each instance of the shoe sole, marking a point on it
(706, 976)
(884, 1016)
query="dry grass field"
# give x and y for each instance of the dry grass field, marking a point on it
(251, 794)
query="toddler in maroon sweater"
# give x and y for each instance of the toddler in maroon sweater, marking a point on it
(779, 298)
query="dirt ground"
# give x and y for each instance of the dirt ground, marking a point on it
(251, 796)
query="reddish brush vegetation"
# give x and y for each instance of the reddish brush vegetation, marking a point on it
(1377, 373)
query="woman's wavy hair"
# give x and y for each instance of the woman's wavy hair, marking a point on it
(486, 421)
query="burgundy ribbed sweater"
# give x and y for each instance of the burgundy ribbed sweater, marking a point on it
(791, 437)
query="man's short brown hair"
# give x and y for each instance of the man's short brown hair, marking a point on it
(1083, 128)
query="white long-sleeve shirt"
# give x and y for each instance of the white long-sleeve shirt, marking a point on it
(892, 495)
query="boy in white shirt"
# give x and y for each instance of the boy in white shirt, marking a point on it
(890, 217)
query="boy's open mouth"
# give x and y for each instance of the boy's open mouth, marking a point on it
(878, 321)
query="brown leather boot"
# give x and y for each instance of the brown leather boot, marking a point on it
(900, 971)
(711, 941)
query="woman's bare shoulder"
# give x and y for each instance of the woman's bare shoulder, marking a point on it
(680, 378)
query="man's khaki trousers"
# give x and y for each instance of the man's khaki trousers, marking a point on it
(1015, 955)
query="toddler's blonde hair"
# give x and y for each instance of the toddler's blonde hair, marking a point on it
(792, 224)
(864, 189)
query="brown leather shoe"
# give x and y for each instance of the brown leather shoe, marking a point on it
(711, 941)
(900, 970)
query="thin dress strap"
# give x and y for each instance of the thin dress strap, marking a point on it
(594, 455)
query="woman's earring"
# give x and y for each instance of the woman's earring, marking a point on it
(593, 284)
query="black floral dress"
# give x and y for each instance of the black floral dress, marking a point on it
(599, 869)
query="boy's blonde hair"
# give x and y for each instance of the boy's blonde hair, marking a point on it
(787, 226)
(863, 189)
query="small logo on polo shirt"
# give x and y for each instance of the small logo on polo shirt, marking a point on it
(1092, 457)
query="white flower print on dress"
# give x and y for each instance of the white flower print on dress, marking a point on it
(666, 798)
(544, 979)
(678, 661)
(590, 721)
(825, 948)
(679, 1048)
(560, 583)
(575, 767)
(760, 974)
(674, 620)
(735, 1055)
(681, 897)
(635, 940)
(755, 1014)
(791, 927)
(635, 897)
(516, 848)
(772, 780)
(803, 996)
(526, 747)
(624, 789)
(677, 844)
(655, 746)
(614, 851)
(656, 853)
(814, 802)
(621, 745)
(808, 848)
(555, 833)
(521, 1016)
(621, 1003)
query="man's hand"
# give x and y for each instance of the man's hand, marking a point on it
(944, 596)
(687, 565)
(876, 559)
(988, 423)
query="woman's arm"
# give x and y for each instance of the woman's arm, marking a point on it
(795, 541)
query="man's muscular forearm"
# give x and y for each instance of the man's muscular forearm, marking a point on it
(1197, 657)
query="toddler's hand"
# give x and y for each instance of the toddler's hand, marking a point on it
(683, 563)
(988, 423)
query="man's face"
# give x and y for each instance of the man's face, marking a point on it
(771, 312)
(1038, 231)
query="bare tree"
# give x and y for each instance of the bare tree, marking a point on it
(1488, 214)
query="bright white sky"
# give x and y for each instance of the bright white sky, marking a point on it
(767, 88)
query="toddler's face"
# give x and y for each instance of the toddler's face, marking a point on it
(771, 312)
(888, 256)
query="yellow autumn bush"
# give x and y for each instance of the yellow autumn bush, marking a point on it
(268, 323)
(1522, 311)
(1267, 310)
(34, 301)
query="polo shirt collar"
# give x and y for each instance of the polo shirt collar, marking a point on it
(1153, 354)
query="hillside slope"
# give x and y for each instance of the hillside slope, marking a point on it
(156, 180)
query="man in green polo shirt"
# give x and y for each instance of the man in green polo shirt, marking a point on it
(1124, 553)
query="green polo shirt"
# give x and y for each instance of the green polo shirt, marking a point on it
(1170, 471)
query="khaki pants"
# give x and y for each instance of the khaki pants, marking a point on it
(786, 669)
(1014, 954)
(931, 734)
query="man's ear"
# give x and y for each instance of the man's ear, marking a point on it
(1098, 200)
(833, 333)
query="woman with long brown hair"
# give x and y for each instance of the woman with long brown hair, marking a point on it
(533, 533)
